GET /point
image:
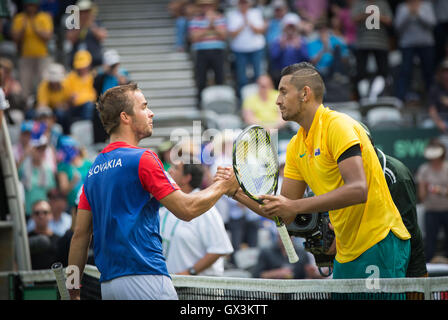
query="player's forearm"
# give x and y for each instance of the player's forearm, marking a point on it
(79, 249)
(202, 201)
(242, 198)
(345, 196)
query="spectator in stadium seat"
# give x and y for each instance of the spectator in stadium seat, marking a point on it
(52, 93)
(438, 98)
(440, 31)
(273, 263)
(246, 27)
(111, 75)
(22, 149)
(42, 240)
(328, 53)
(60, 220)
(63, 245)
(72, 168)
(11, 86)
(45, 120)
(289, 48)
(197, 247)
(79, 85)
(414, 22)
(177, 9)
(314, 11)
(31, 30)
(36, 174)
(275, 28)
(371, 41)
(259, 108)
(432, 179)
(342, 18)
(208, 33)
(90, 35)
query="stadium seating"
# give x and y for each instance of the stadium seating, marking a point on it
(248, 90)
(143, 34)
(82, 132)
(219, 98)
(384, 117)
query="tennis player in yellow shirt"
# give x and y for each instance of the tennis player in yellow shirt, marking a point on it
(332, 154)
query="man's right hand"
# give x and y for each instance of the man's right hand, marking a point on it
(227, 176)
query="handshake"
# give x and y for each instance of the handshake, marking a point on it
(226, 177)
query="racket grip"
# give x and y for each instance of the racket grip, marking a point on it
(289, 247)
(60, 280)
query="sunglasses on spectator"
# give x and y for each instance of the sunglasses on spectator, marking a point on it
(38, 212)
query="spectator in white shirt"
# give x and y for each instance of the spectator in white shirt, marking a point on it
(246, 27)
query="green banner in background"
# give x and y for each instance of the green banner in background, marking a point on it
(405, 144)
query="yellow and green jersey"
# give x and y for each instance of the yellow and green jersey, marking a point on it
(312, 157)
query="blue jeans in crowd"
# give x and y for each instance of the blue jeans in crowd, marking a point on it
(434, 221)
(426, 57)
(242, 60)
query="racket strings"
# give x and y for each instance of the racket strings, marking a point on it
(257, 163)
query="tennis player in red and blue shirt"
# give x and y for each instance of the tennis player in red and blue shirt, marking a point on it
(120, 202)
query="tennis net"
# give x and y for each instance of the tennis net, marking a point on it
(224, 288)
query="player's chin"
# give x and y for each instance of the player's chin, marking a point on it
(285, 116)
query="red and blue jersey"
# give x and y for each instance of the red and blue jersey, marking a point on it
(122, 190)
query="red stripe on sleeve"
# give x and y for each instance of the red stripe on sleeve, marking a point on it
(153, 177)
(83, 202)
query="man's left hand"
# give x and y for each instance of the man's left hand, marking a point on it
(279, 206)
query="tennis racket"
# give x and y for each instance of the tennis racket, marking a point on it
(60, 280)
(256, 168)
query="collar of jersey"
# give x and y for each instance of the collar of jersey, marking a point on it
(308, 138)
(116, 145)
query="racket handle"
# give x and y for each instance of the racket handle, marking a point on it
(60, 280)
(289, 247)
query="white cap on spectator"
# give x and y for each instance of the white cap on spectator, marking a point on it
(39, 142)
(43, 111)
(290, 19)
(278, 4)
(84, 5)
(55, 72)
(111, 57)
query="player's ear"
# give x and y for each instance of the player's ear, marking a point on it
(124, 117)
(306, 94)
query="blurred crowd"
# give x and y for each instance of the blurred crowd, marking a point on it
(362, 48)
(52, 76)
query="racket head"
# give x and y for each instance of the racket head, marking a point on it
(255, 162)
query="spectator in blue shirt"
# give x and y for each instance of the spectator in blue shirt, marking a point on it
(328, 52)
(289, 48)
(275, 27)
(109, 76)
